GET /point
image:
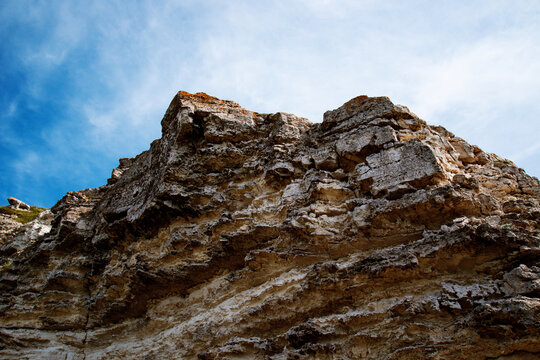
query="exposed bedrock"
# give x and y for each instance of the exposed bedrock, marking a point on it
(371, 235)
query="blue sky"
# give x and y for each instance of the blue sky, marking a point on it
(84, 83)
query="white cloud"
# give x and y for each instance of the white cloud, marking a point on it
(482, 74)
(526, 152)
(487, 92)
(27, 164)
(11, 110)
(469, 65)
(308, 57)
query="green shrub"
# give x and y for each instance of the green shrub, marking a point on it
(22, 216)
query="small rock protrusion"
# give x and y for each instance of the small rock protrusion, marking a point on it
(466, 181)
(18, 204)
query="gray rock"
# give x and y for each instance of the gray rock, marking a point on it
(263, 236)
(413, 163)
(18, 204)
(357, 146)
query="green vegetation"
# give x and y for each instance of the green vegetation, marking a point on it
(6, 266)
(22, 216)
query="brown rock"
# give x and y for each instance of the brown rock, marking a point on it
(18, 204)
(263, 236)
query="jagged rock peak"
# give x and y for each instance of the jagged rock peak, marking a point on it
(264, 236)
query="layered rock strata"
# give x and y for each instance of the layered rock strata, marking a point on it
(371, 235)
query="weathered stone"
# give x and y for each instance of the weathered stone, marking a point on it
(8, 225)
(412, 163)
(263, 236)
(464, 150)
(18, 204)
(356, 147)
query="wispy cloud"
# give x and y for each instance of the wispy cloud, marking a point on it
(487, 92)
(483, 73)
(96, 77)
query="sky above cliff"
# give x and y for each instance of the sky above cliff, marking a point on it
(85, 83)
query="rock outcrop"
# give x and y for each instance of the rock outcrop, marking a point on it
(14, 221)
(20, 236)
(371, 235)
(18, 204)
(8, 225)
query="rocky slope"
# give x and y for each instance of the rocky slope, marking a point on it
(238, 235)
(14, 221)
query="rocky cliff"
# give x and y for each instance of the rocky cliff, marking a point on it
(238, 235)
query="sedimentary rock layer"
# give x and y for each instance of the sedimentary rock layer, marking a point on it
(243, 235)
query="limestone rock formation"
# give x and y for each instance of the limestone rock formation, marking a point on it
(8, 225)
(18, 204)
(23, 222)
(371, 235)
(20, 236)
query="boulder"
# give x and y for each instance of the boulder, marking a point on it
(18, 204)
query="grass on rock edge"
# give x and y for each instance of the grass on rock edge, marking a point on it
(22, 216)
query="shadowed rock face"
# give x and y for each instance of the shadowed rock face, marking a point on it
(246, 235)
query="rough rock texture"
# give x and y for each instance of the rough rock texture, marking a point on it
(15, 228)
(20, 236)
(371, 235)
(8, 225)
(18, 204)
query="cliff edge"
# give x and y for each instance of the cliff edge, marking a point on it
(371, 235)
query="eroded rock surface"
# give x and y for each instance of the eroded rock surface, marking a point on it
(243, 235)
(18, 204)
(8, 225)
